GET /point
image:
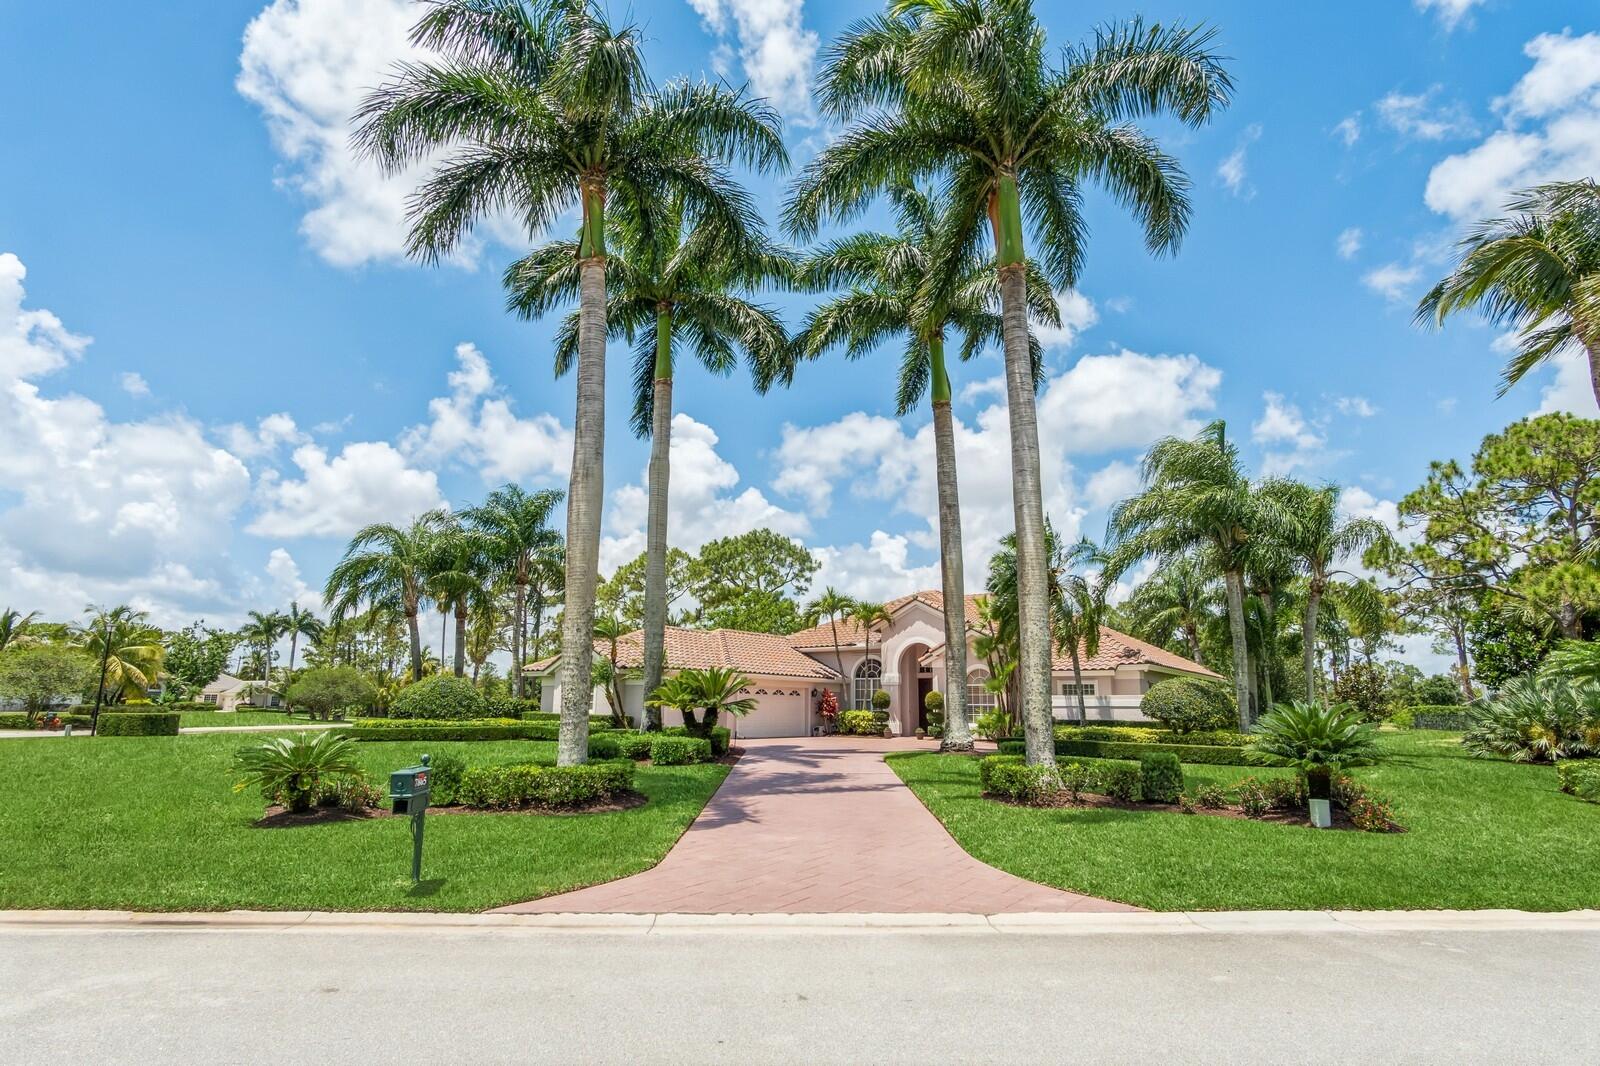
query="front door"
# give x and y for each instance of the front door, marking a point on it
(924, 686)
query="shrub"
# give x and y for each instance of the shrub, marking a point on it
(324, 690)
(992, 725)
(1185, 704)
(1581, 779)
(1210, 754)
(604, 746)
(1284, 793)
(679, 751)
(1219, 738)
(859, 724)
(19, 720)
(512, 707)
(1403, 717)
(933, 703)
(1008, 776)
(1371, 814)
(634, 745)
(1536, 719)
(351, 792)
(444, 779)
(380, 729)
(1253, 798)
(138, 724)
(34, 675)
(546, 787)
(1365, 689)
(719, 737)
(1439, 690)
(441, 697)
(1318, 739)
(1451, 719)
(290, 770)
(880, 701)
(1119, 780)
(1211, 797)
(1076, 779)
(1127, 734)
(1160, 777)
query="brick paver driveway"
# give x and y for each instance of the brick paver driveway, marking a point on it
(809, 826)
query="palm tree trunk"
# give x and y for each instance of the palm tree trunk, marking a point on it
(414, 625)
(1269, 648)
(655, 544)
(585, 494)
(1077, 682)
(1233, 580)
(957, 729)
(519, 686)
(1191, 640)
(1033, 610)
(1308, 642)
(461, 638)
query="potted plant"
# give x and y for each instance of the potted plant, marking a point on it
(1319, 740)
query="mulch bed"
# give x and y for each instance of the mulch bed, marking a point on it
(277, 817)
(1094, 801)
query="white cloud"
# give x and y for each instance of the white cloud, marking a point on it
(134, 384)
(1550, 131)
(1077, 314)
(1111, 484)
(368, 481)
(1416, 115)
(1125, 400)
(32, 341)
(1349, 242)
(1234, 170)
(777, 51)
(271, 432)
(1291, 440)
(1570, 389)
(1355, 406)
(1393, 281)
(1451, 13)
(287, 583)
(476, 425)
(865, 448)
(1349, 129)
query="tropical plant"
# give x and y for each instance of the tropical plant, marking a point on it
(1539, 718)
(518, 542)
(1179, 601)
(1363, 688)
(385, 567)
(868, 616)
(715, 691)
(299, 622)
(290, 770)
(965, 90)
(998, 651)
(324, 690)
(14, 629)
(832, 605)
(1318, 739)
(540, 106)
(263, 631)
(457, 575)
(1536, 271)
(126, 649)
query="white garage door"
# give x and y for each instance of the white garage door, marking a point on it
(781, 711)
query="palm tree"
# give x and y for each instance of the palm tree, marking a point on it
(485, 626)
(515, 526)
(1180, 598)
(1538, 272)
(542, 106)
(299, 623)
(1196, 496)
(669, 286)
(128, 648)
(385, 566)
(832, 605)
(14, 629)
(1078, 612)
(868, 615)
(890, 294)
(965, 90)
(456, 573)
(1319, 540)
(264, 630)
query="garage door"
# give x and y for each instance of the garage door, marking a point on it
(781, 711)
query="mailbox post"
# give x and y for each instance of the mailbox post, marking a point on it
(408, 792)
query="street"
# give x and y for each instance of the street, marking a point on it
(403, 990)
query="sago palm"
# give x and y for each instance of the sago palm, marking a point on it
(1538, 272)
(385, 566)
(671, 286)
(1317, 739)
(515, 525)
(965, 89)
(540, 107)
(888, 295)
(289, 769)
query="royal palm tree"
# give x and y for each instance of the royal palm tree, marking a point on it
(1196, 496)
(670, 285)
(869, 616)
(541, 106)
(1178, 599)
(125, 647)
(264, 630)
(964, 89)
(515, 527)
(14, 629)
(385, 566)
(1538, 272)
(832, 605)
(889, 295)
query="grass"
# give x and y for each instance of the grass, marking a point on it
(153, 823)
(226, 718)
(1481, 834)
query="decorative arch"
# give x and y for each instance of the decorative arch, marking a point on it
(979, 699)
(867, 680)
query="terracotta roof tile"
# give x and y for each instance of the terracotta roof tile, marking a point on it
(762, 654)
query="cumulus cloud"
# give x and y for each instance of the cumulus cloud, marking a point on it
(1234, 170)
(1570, 389)
(366, 482)
(879, 570)
(1450, 13)
(1291, 440)
(1395, 282)
(776, 50)
(1111, 484)
(1077, 314)
(1355, 406)
(134, 384)
(287, 584)
(1419, 116)
(1126, 399)
(1349, 243)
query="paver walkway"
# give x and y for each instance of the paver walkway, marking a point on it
(809, 826)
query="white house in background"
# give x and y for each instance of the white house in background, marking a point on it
(229, 693)
(787, 674)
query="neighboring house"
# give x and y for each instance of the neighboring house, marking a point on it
(907, 662)
(229, 693)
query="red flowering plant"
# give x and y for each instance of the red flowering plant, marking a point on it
(828, 706)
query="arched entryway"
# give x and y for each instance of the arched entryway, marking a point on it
(916, 681)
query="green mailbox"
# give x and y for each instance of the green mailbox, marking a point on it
(408, 789)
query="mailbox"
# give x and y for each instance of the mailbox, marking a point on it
(408, 789)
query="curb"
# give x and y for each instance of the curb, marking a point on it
(1212, 923)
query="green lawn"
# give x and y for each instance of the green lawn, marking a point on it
(153, 823)
(1481, 834)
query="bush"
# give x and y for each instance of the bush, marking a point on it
(1368, 811)
(512, 707)
(679, 751)
(1160, 777)
(350, 792)
(19, 720)
(441, 697)
(1211, 797)
(139, 724)
(1119, 780)
(1364, 688)
(1009, 777)
(1207, 754)
(444, 779)
(1185, 704)
(1253, 798)
(604, 746)
(545, 787)
(933, 703)
(1317, 739)
(1536, 719)
(719, 737)
(291, 770)
(859, 724)
(1581, 779)
(992, 725)
(1076, 779)
(880, 701)
(1453, 719)
(1403, 717)
(34, 675)
(379, 729)
(1128, 734)
(324, 690)
(1440, 690)
(634, 745)
(1284, 793)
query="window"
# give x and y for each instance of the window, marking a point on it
(208, 697)
(1084, 689)
(979, 699)
(868, 676)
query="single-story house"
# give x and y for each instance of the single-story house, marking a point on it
(229, 693)
(787, 674)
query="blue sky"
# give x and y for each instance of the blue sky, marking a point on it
(266, 372)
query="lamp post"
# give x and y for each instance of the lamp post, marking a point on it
(100, 690)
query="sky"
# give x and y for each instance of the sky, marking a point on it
(216, 362)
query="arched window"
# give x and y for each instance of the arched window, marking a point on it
(979, 699)
(868, 677)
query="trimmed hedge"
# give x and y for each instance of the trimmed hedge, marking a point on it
(139, 724)
(1160, 777)
(440, 696)
(679, 751)
(1010, 777)
(635, 745)
(1451, 719)
(466, 729)
(604, 746)
(719, 738)
(1136, 734)
(1185, 704)
(546, 787)
(1580, 779)
(1207, 754)
(861, 723)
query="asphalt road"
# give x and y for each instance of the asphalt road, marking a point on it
(488, 996)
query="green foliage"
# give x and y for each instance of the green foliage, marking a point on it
(38, 675)
(289, 770)
(1009, 777)
(1205, 754)
(1119, 780)
(719, 737)
(933, 703)
(1316, 738)
(1452, 718)
(1536, 719)
(350, 792)
(715, 690)
(1505, 647)
(197, 655)
(544, 787)
(634, 746)
(1580, 779)
(323, 690)
(139, 724)
(1364, 688)
(1186, 704)
(666, 750)
(445, 772)
(380, 729)
(750, 582)
(1439, 690)
(1160, 777)
(604, 746)
(506, 706)
(993, 725)
(880, 700)
(440, 697)
(1253, 798)
(1212, 797)
(859, 724)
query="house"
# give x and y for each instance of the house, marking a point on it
(787, 674)
(229, 693)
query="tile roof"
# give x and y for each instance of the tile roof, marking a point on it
(820, 638)
(1118, 649)
(761, 654)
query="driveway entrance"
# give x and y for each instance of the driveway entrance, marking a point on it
(806, 826)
